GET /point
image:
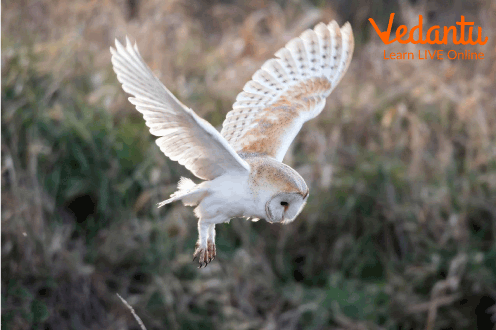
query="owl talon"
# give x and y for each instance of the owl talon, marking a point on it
(212, 250)
(205, 255)
(201, 254)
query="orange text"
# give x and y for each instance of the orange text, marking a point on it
(432, 36)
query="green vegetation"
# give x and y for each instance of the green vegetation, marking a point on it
(403, 236)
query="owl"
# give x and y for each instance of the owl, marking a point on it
(241, 167)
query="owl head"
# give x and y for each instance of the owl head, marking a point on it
(280, 188)
(284, 207)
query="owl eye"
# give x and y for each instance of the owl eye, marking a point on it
(284, 203)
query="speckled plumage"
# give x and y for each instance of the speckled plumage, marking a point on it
(289, 90)
(267, 173)
(242, 165)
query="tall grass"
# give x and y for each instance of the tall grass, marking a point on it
(400, 227)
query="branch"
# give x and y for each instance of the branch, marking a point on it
(133, 312)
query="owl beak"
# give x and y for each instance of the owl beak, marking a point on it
(285, 210)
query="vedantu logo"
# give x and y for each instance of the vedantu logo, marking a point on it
(432, 37)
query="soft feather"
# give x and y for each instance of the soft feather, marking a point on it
(184, 137)
(188, 192)
(289, 90)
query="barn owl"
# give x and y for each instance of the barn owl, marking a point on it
(242, 165)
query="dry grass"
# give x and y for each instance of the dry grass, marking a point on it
(400, 227)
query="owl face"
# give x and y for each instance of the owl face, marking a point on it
(278, 189)
(284, 207)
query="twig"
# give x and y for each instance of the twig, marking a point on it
(142, 326)
(441, 301)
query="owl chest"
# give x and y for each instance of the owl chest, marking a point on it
(229, 196)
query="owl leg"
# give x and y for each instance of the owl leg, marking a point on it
(205, 248)
(212, 250)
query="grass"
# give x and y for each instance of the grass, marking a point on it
(403, 236)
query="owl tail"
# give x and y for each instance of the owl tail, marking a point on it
(189, 192)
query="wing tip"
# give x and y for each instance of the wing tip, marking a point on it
(333, 25)
(320, 25)
(347, 29)
(118, 44)
(119, 47)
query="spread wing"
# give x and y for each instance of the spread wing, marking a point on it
(184, 137)
(289, 90)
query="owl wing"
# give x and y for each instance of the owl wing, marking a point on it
(184, 137)
(289, 90)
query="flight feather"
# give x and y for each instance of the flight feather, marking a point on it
(183, 135)
(289, 90)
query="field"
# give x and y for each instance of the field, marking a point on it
(400, 228)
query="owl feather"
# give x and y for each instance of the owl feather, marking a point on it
(288, 91)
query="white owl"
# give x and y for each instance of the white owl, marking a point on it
(242, 166)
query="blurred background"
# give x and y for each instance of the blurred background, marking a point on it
(399, 231)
